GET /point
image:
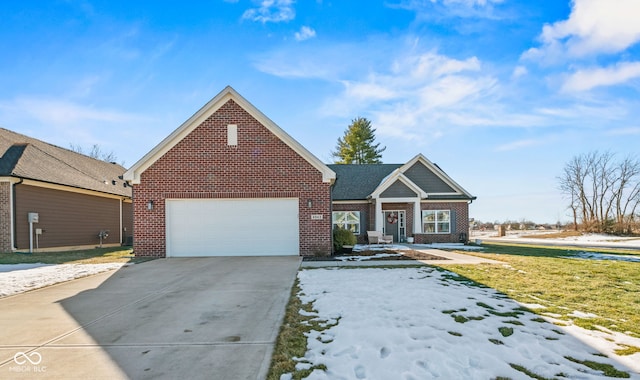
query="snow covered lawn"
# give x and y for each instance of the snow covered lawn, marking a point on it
(424, 323)
(18, 278)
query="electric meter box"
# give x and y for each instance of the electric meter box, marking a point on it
(33, 217)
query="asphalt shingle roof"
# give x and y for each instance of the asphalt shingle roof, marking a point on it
(29, 158)
(357, 182)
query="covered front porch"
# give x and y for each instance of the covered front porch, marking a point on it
(422, 221)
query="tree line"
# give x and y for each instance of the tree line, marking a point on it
(603, 192)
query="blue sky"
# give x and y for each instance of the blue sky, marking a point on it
(499, 93)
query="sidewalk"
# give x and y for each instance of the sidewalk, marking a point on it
(453, 258)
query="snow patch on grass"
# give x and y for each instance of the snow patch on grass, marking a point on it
(398, 323)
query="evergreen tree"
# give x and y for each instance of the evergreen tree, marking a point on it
(357, 145)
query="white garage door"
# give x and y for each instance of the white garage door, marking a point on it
(232, 227)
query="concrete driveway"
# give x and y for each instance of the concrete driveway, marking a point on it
(189, 318)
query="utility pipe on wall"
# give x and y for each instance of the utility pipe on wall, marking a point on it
(33, 218)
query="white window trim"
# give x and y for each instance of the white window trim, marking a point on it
(333, 220)
(436, 222)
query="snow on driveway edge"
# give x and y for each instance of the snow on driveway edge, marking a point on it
(18, 281)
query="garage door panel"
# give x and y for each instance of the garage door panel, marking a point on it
(232, 227)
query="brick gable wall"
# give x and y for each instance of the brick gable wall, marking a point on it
(202, 165)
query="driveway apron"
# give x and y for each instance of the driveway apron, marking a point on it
(195, 318)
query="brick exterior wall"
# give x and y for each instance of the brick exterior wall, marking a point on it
(366, 217)
(461, 209)
(462, 223)
(202, 165)
(5, 217)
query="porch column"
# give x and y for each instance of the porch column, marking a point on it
(379, 217)
(417, 217)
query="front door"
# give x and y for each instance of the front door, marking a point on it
(393, 220)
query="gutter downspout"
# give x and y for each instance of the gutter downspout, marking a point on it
(12, 202)
(121, 224)
(331, 217)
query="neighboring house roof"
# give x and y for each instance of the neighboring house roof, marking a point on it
(418, 177)
(28, 158)
(134, 173)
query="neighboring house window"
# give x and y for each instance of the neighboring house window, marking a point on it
(349, 220)
(436, 221)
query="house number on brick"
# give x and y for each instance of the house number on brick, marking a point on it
(316, 217)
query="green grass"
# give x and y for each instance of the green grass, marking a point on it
(292, 342)
(86, 256)
(460, 318)
(628, 350)
(506, 331)
(607, 369)
(549, 277)
(527, 372)
(540, 275)
(512, 314)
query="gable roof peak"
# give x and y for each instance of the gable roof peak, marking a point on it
(228, 93)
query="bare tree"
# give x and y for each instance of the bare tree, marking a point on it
(603, 192)
(626, 196)
(572, 183)
(95, 152)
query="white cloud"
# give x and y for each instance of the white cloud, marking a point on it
(62, 112)
(271, 11)
(357, 90)
(630, 131)
(471, 3)
(449, 8)
(418, 96)
(580, 112)
(519, 71)
(586, 79)
(305, 61)
(305, 33)
(515, 145)
(593, 27)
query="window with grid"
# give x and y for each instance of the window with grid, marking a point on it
(349, 220)
(436, 221)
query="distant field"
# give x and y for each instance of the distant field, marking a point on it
(556, 235)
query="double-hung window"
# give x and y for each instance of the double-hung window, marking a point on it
(349, 220)
(436, 221)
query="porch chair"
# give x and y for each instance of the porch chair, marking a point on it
(376, 237)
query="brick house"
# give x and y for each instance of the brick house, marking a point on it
(416, 199)
(74, 196)
(229, 181)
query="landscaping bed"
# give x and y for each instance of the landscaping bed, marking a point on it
(380, 254)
